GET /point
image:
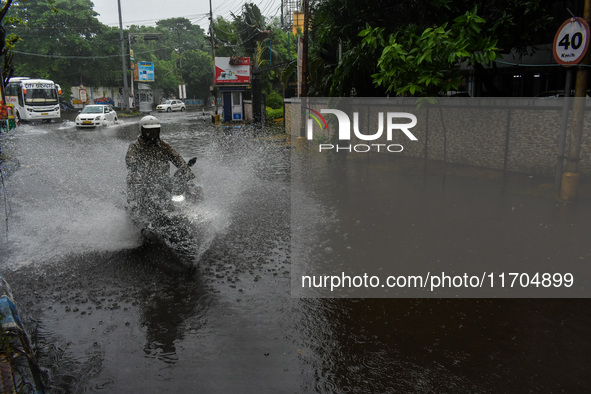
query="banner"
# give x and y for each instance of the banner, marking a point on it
(145, 72)
(232, 70)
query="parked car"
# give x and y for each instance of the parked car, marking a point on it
(96, 115)
(171, 105)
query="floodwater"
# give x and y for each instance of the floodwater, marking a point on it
(107, 313)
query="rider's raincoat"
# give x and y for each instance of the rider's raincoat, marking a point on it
(148, 168)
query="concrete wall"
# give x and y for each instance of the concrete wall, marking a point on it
(92, 93)
(248, 111)
(521, 134)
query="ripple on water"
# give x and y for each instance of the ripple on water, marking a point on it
(100, 384)
(325, 383)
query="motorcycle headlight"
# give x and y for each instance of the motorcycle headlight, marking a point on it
(180, 198)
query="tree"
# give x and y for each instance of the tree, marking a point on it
(339, 64)
(250, 26)
(6, 44)
(342, 66)
(76, 47)
(226, 37)
(180, 54)
(428, 62)
(198, 72)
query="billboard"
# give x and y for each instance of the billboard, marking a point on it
(144, 72)
(234, 70)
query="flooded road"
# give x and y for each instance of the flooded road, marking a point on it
(109, 314)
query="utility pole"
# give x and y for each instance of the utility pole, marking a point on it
(301, 142)
(133, 66)
(182, 91)
(2, 44)
(123, 65)
(570, 177)
(215, 100)
(304, 92)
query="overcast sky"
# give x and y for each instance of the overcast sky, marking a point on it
(148, 12)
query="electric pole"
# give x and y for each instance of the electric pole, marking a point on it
(123, 65)
(301, 142)
(570, 177)
(304, 91)
(215, 99)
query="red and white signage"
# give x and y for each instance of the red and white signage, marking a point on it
(227, 72)
(571, 41)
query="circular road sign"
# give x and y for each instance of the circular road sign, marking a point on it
(571, 41)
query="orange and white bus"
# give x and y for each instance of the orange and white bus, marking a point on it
(34, 99)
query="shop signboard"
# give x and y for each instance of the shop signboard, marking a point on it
(232, 70)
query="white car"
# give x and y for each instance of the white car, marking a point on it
(96, 115)
(171, 105)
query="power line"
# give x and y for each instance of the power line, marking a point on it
(265, 8)
(129, 23)
(86, 57)
(63, 56)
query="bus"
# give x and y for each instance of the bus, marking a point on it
(33, 99)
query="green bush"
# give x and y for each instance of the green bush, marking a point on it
(274, 113)
(274, 100)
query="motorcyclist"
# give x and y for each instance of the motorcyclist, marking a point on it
(148, 167)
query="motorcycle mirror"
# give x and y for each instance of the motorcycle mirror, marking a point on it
(192, 162)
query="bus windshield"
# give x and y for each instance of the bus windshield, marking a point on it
(41, 96)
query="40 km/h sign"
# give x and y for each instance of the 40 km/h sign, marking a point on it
(571, 41)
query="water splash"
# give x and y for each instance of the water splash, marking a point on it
(69, 195)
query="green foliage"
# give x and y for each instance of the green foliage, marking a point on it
(250, 26)
(62, 40)
(197, 72)
(427, 62)
(226, 38)
(250, 35)
(65, 42)
(340, 65)
(274, 100)
(181, 53)
(55, 36)
(274, 113)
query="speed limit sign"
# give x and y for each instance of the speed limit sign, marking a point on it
(571, 41)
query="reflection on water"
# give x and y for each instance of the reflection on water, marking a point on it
(482, 346)
(166, 306)
(109, 314)
(387, 217)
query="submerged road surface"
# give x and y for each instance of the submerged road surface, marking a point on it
(109, 314)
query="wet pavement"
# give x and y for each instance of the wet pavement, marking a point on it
(109, 314)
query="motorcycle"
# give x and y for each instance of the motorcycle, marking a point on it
(163, 212)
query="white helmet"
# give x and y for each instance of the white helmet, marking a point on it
(149, 122)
